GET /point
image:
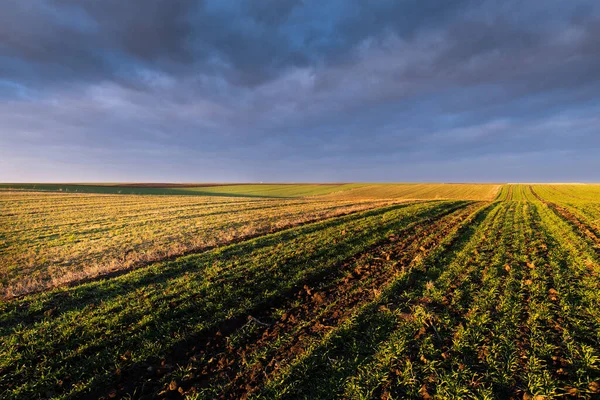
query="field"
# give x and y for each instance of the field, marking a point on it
(354, 291)
(231, 190)
(340, 190)
(51, 238)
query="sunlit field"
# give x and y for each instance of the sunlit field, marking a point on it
(351, 291)
(54, 238)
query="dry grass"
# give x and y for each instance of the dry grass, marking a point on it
(49, 239)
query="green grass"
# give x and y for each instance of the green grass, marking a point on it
(446, 299)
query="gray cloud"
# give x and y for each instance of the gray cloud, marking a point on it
(298, 90)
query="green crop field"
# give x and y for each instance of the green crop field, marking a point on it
(227, 190)
(298, 291)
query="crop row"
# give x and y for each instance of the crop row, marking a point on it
(371, 348)
(511, 310)
(580, 203)
(512, 192)
(75, 340)
(243, 360)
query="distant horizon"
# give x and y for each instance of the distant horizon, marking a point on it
(293, 183)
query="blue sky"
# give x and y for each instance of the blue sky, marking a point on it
(299, 91)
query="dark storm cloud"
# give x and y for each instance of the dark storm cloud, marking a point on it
(298, 90)
(250, 41)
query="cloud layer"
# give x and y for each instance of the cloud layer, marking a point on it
(287, 90)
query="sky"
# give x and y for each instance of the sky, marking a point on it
(299, 91)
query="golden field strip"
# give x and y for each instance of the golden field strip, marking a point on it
(418, 191)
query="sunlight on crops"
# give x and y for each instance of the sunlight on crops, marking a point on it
(323, 296)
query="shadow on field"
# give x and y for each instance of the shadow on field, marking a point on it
(133, 190)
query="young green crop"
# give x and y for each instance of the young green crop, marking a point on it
(486, 320)
(324, 369)
(329, 302)
(71, 341)
(581, 200)
(439, 299)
